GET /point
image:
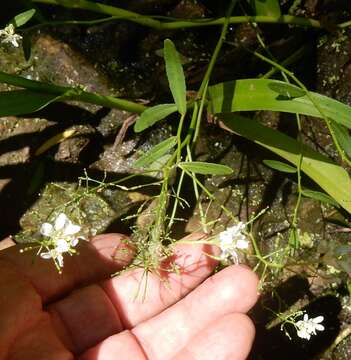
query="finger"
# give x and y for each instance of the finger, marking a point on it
(232, 290)
(89, 315)
(6, 243)
(122, 346)
(95, 260)
(229, 337)
(139, 296)
(38, 342)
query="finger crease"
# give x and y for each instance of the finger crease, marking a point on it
(117, 313)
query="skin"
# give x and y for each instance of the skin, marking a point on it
(85, 314)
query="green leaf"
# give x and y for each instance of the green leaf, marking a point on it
(151, 115)
(348, 284)
(156, 152)
(159, 164)
(205, 168)
(37, 178)
(261, 94)
(27, 46)
(332, 178)
(20, 102)
(183, 59)
(175, 75)
(294, 239)
(22, 18)
(319, 196)
(266, 7)
(286, 91)
(343, 137)
(280, 166)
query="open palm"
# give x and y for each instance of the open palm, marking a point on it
(85, 314)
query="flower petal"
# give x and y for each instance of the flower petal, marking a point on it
(14, 42)
(71, 229)
(318, 319)
(242, 244)
(225, 238)
(319, 327)
(74, 242)
(59, 259)
(46, 255)
(61, 221)
(46, 229)
(62, 246)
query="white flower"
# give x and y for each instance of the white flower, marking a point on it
(62, 238)
(53, 254)
(232, 239)
(308, 327)
(63, 226)
(8, 35)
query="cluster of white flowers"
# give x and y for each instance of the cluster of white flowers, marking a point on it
(8, 35)
(232, 239)
(307, 327)
(62, 238)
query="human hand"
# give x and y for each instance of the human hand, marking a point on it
(84, 314)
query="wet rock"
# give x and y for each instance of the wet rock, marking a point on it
(20, 137)
(83, 206)
(333, 73)
(187, 9)
(120, 159)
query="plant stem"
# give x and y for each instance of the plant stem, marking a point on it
(158, 228)
(68, 22)
(179, 135)
(286, 62)
(105, 9)
(181, 23)
(261, 258)
(313, 101)
(176, 201)
(298, 201)
(218, 47)
(69, 93)
(208, 193)
(199, 116)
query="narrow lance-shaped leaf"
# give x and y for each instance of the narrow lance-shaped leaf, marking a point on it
(56, 139)
(27, 46)
(175, 75)
(183, 59)
(294, 238)
(266, 94)
(280, 166)
(266, 7)
(286, 91)
(332, 178)
(319, 196)
(22, 18)
(204, 168)
(20, 102)
(343, 137)
(159, 164)
(156, 152)
(152, 115)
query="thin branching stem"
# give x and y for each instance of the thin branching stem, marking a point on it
(173, 24)
(313, 101)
